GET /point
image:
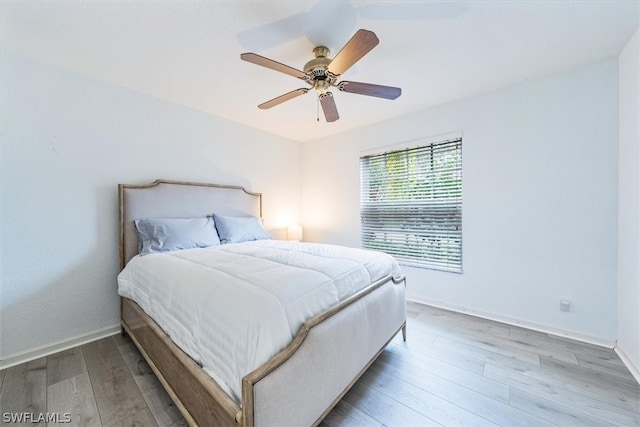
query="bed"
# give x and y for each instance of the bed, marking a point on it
(301, 382)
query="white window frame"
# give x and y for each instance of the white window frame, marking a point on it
(411, 202)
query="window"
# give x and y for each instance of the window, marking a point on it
(411, 204)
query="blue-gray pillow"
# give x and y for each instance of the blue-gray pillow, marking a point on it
(170, 234)
(233, 229)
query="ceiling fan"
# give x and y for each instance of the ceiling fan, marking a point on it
(322, 72)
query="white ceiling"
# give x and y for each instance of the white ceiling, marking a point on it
(189, 52)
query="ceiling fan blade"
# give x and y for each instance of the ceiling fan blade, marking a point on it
(282, 98)
(386, 92)
(270, 63)
(329, 107)
(359, 45)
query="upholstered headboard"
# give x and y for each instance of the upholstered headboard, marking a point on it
(176, 199)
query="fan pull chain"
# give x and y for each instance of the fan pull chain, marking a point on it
(317, 108)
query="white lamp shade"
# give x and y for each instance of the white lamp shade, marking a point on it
(294, 232)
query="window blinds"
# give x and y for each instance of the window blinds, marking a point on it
(411, 204)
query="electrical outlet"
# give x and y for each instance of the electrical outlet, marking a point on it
(565, 306)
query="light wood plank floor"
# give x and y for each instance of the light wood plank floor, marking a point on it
(453, 370)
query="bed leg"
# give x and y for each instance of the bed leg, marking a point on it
(404, 332)
(123, 332)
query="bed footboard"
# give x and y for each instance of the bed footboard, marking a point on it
(336, 351)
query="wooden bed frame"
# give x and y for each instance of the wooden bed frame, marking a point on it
(299, 385)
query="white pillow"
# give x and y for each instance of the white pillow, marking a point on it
(170, 234)
(239, 229)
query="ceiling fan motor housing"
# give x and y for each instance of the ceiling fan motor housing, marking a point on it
(316, 70)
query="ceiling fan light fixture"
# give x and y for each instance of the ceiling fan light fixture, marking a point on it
(321, 85)
(322, 72)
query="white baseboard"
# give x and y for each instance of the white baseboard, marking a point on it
(516, 322)
(635, 370)
(36, 353)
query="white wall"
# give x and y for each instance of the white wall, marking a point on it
(629, 206)
(539, 204)
(67, 141)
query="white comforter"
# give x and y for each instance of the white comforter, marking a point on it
(233, 307)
